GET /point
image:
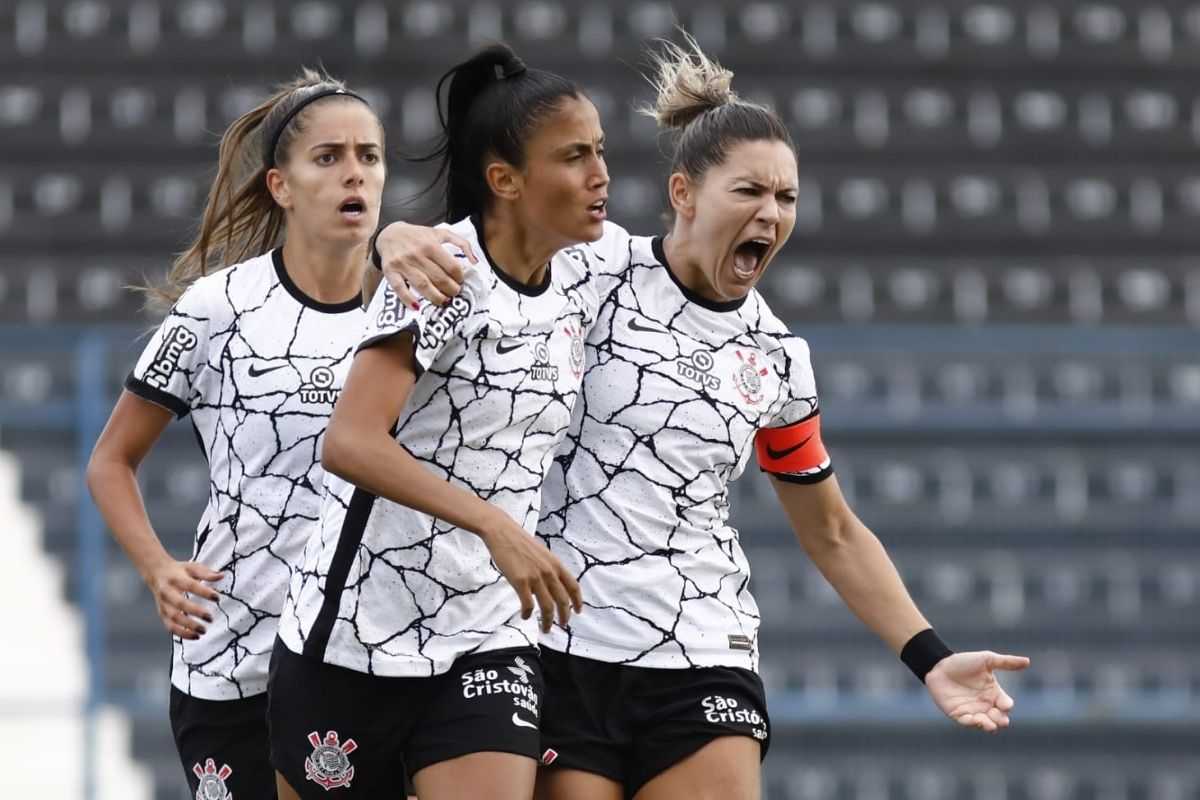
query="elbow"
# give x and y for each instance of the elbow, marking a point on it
(97, 468)
(336, 452)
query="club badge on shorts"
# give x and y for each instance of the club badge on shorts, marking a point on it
(329, 763)
(212, 780)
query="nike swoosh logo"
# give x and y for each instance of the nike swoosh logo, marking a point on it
(520, 723)
(255, 372)
(634, 326)
(501, 348)
(787, 451)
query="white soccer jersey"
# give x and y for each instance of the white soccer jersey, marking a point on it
(677, 392)
(387, 590)
(258, 364)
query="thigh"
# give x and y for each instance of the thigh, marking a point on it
(224, 747)
(727, 768)
(334, 728)
(478, 776)
(575, 784)
(687, 710)
(584, 726)
(487, 702)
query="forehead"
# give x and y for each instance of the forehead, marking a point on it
(769, 162)
(575, 120)
(334, 119)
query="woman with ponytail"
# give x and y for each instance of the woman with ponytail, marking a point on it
(653, 692)
(264, 312)
(409, 640)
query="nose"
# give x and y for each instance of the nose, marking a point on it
(768, 212)
(599, 178)
(354, 173)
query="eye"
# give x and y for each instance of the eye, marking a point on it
(575, 157)
(788, 199)
(325, 158)
(371, 158)
(748, 191)
(601, 152)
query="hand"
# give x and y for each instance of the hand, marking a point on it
(173, 584)
(414, 259)
(965, 688)
(533, 571)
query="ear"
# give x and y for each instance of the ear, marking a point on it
(503, 180)
(682, 195)
(278, 187)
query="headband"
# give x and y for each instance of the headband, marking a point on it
(273, 142)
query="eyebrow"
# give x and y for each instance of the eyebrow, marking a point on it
(574, 146)
(335, 145)
(763, 187)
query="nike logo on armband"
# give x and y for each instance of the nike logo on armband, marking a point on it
(787, 451)
(635, 326)
(256, 372)
(521, 723)
(503, 348)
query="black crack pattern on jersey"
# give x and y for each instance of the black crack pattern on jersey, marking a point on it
(487, 412)
(243, 386)
(637, 504)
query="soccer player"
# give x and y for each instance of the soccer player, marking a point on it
(653, 692)
(256, 352)
(408, 640)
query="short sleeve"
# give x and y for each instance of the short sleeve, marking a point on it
(434, 329)
(167, 372)
(790, 446)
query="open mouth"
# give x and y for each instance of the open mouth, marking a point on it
(599, 208)
(748, 255)
(353, 208)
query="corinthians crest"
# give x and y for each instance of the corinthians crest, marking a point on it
(576, 349)
(748, 378)
(329, 764)
(212, 781)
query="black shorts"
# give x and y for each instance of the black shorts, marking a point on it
(336, 728)
(633, 723)
(224, 747)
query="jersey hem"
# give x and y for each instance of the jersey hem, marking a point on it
(599, 651)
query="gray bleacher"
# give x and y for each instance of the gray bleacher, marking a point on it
(995, 262)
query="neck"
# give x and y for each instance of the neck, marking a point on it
(517, 250)
(326, 273)
(683, 261)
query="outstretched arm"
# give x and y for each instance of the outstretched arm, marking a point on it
(855, 563)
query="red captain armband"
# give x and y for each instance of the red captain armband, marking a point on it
(794, 452)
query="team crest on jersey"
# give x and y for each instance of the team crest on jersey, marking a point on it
(319, 388)
(329, 763)
(576, 349)
(542, 369)
(212, 781)
(748, 378)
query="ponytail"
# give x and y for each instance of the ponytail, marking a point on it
(488, 106)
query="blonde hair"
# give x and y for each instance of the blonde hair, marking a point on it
(241, 218)
(695, 98)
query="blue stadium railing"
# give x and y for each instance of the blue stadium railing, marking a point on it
(83, 410)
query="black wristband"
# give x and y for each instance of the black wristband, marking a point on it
(376, 259)
(922, 652)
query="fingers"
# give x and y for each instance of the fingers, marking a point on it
(199, 572)
(400, 287)
(1003, 701)
(545, 606)
(979, 721)
(180, 624)
(427, 288)
(526, 598)
(998, 717)
(461, 244)
(1006, 662)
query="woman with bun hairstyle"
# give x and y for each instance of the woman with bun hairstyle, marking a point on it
(264, 313)
(653, 691)
(409, 641)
